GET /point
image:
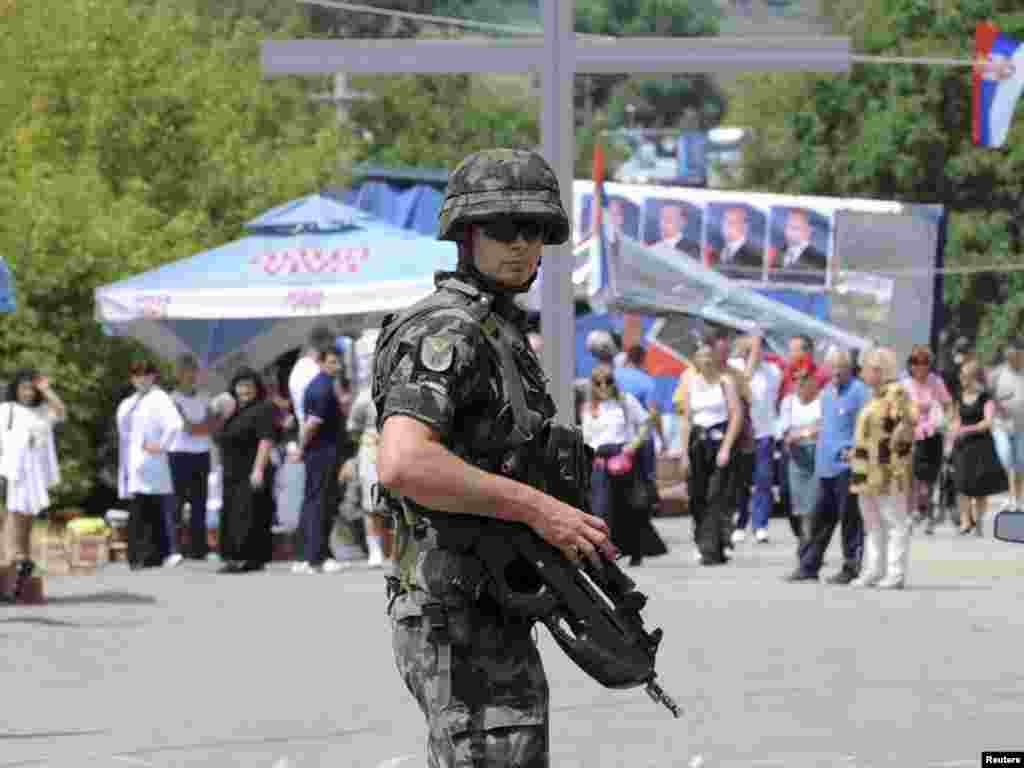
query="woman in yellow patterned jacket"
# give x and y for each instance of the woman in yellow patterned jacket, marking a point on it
(881, 471)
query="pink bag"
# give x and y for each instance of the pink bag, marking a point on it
(620, 464)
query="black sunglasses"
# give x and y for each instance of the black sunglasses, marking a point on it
(507, 229)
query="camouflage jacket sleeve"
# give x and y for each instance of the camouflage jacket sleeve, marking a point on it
(432, 366)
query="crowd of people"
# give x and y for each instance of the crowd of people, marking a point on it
(873, 446)
(170, 440)
(871, 450)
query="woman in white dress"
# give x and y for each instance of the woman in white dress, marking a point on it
(28, 465)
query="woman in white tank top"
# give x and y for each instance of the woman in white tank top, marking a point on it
(710, 422)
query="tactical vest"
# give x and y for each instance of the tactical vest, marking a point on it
(504, 431)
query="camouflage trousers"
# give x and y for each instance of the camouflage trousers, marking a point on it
(497, 710)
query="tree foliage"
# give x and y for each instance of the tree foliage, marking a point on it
(660, 101)
(134, 134)
(904, 132)
(436, 120)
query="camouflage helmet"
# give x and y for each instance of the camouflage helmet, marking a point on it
(497, 182)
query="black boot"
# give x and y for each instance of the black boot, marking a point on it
(21, 578)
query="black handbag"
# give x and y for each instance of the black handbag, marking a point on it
(928, 459)
(643, 495)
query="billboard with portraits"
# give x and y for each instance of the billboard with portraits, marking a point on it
(838, 259)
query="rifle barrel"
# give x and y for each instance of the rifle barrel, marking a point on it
(657, 693)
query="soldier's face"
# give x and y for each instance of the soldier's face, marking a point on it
(510, 264)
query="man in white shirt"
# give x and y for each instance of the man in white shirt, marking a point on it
(763, 381)
(1008, 393)
(306, 369)
(147, 425)
(190, 454)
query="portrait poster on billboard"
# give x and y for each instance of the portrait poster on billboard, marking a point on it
(833, 258)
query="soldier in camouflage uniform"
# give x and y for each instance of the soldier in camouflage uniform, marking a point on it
(444, 407)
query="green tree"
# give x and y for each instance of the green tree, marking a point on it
(134, 134)
(903, 132)
(661, 101)
(436, 120)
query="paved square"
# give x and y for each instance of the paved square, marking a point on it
(189, 669)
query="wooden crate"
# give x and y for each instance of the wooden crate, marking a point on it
(49, 549)
(88, 552)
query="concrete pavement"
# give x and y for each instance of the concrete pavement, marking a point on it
(190, 669)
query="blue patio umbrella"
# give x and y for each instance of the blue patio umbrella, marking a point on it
(307, 262)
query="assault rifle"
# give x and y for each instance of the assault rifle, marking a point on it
(592, 611)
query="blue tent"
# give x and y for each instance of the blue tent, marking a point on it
(310, 261)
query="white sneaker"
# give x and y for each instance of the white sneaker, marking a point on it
(739, 536)
(376, 560)
(172, 561)
(697, 556)
(761, 535)
(335, 566)
(303, 568)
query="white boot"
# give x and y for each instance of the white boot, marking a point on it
(899, 554)
(873, 568)
(376, 559)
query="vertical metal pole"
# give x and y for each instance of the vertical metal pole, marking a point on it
(557, 314)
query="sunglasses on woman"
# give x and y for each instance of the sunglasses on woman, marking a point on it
(508, 229)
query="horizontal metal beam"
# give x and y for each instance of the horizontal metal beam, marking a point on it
(388, 56)
(625, 55)
(660, 55)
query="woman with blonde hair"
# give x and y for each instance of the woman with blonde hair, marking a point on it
(710, 423)
(616, 426)
(977, 471)
(881, 471)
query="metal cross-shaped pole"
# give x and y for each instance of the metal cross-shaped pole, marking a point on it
(559, 56)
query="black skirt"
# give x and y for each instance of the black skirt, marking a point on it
(613, 500)
(977, 468)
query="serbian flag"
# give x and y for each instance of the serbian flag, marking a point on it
(599, 236)
(998, 82)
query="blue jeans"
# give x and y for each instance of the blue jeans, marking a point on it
(1010, 447)
(835, 505)
(320, 501)
(759, 505)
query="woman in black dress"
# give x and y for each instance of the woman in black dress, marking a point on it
(978, 471)
(245, 442)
